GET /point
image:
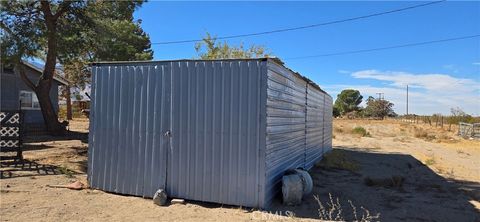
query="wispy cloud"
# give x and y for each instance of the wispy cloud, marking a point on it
(429, 93)
(476, 63)
(343, 71)
(433, 82)
(452, 68)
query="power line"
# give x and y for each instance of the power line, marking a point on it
(303, 27)
(384, 48)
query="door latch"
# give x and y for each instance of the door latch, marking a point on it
(167, 133)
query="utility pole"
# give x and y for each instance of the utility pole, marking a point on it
(381, 96)
(407, 100)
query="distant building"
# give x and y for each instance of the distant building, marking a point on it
(16, 95)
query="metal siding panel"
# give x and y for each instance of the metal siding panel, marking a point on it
(315, 124)
(328, 118)
(126, 120)
(177, 125)
(215, 119)
(122, 128)
(285, 126)
(92, 128)
(161, 157)
(109, 169)
(150, 136)
(103, 125)
(297, 126)
(262, 135)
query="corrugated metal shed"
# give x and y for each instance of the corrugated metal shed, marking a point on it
(221, 131)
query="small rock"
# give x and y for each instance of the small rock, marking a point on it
(177, 201)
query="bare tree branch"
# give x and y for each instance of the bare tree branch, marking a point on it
(46, 9)
(7, 29)
(64, 6)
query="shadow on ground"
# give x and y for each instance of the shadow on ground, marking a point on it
(421, 195)
(26, 168)
(70, 135)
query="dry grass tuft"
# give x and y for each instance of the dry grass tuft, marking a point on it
(337, 159)
(402, 139)
(448, 173)
(420, 133)
(333, 211)
(430, 161)
(446, 139)
(338, 130)
(423, 134)
(361, 131)
(65, 171)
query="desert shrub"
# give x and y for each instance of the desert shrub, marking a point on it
(423, 134)
(332, 210)
(337, 159)
(338, 130)
(430, 161)
(420, 133)
(445, 138)
(361, 131)
(65, 171)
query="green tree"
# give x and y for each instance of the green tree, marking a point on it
(335, 112)
(378, 108)
(210, 48)
(458, 115)
(113, 35)
(68, 32)
(347, 101)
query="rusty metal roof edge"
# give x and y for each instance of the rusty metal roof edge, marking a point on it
(172, 60)
(278, 61)
(275, 60)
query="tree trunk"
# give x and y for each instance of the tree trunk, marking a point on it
(69, 103)
(50, 117)
(44, 84)
(68, 97)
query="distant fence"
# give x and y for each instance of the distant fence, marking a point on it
(469, 130)
(435, 120)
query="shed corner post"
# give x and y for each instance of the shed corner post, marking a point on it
(262, 201)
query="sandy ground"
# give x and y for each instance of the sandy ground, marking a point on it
(440, 181)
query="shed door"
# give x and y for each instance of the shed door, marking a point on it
(214, 154)
(158, 120)
(148, 109)
(192, 130)
(149, 113)
(129, 119)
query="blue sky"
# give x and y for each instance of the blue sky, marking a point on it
(441, 76)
